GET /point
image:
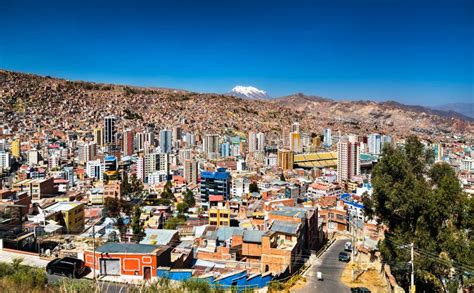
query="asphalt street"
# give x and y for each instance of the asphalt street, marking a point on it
(331, 269)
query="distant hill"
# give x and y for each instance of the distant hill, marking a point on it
(466, 109)
(30, 102)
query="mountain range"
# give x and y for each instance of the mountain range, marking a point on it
(30, 102)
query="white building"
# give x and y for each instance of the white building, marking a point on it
(95, 169)
(252, 142)
(260, 142)
(4, 160)
(327, 137)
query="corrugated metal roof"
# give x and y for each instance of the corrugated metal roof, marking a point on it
(285, 227)
(112, 247)
(158, 236)
(224, 233)
(253, 236)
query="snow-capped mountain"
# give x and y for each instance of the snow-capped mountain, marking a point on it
(249, 92)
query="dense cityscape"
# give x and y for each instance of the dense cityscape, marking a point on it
(120, 199)
(237, 146)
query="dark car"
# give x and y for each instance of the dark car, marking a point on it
(68, 266)
(344, 256)
(360, 290)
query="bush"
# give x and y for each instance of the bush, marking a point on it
(194, 285)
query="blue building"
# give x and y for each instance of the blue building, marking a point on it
(214, 183)
(110, 163)
(225, 150)
(165, 141)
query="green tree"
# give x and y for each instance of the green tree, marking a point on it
(182, 207)
(189, 198)
(253, 187)
(174, 222)
(111, 207)
(282, 177)
(424, 206)
(137, 225)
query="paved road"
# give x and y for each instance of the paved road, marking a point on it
(331, 268)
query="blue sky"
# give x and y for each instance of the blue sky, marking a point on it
(415, 52)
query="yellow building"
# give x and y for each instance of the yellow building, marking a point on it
(285, 159)
(295, 142)
(219, 216)
(99, 136)
(68, 214)
(16, 148)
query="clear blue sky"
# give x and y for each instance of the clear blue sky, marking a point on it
(416, 52)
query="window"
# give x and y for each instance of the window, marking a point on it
(213, 215)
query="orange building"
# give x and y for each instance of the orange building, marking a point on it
(138, 261)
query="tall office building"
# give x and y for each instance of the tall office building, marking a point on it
(285, 159)
(295, 142)
(127, 143)
(53, 161)
(260, 142)
(327, 137)
(95, 169)
(4, 160)
(16, 148)
(191, 171)
(348, 160)
(99, 136)
(214, 183)
(252, 142)
(165, 141)
(177, 133)
(225, 149)
(210, 145)
(374, 142)
(109, 129)
(69, 171)
(34, 157)
(87, 152)
(150, 163)
(295, 127)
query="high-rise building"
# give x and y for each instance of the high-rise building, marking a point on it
(177, 133)
(214, 184)
(99, 136)
(165, 141)
(53, 161)
(285, 159)
(87, 152)
(327, 137)
(150, 163)
(16, 148)
(110, 163)
(295, 142)
(95, 169)
(127, 143)
(109, 129)
(295, 127)
(374, 142)
(252, 142)
(225, 149)
(348, 160)
(191, 171)
(210, 145)
(260, 142)
(4, 160)
(69, 172)
(33, 157)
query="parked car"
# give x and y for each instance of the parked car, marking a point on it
(348, 246)
(344, 256)
(360, 290)
(68, 266)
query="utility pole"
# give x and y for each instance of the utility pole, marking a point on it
(412, 283)
(93, 241)
(351, 224)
